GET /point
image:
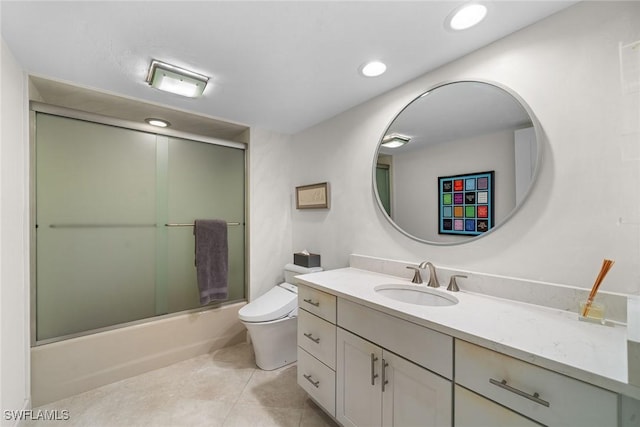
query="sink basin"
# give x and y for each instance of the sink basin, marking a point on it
(416, 295)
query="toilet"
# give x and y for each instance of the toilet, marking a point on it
(271, 320)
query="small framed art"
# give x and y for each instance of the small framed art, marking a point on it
(466, 203)
(314, 196)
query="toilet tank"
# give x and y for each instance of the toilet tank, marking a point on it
(292, 270)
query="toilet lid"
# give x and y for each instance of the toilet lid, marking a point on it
(275, 304)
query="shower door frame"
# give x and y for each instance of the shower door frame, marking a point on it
(40, 107)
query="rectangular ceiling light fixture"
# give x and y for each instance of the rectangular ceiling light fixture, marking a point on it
(176, 80)
(395, 140)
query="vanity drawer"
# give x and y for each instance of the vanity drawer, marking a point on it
(423, 346)
(545, 396)
(473, 410)
(317, 380)
(318, 337)
(317, 302)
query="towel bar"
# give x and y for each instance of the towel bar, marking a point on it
(191, 225)
(122, 225)
(99, 225)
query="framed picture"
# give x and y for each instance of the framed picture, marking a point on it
(466, 203)
(315, 196)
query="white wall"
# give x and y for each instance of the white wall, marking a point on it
(14, 236)
(270, 201)
(585, 204)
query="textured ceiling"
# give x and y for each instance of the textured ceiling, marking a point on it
(282, 66)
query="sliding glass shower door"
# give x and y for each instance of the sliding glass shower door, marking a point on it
(204, 181)
(114, 209)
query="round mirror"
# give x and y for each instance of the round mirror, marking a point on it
(456, 162)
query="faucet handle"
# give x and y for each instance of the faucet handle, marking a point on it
(417, 278)
(453, 285)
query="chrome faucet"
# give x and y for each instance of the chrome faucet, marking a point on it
(433, 278)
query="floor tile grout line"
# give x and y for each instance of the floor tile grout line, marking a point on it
(253, 371)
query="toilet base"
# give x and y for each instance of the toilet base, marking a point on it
(274, 343)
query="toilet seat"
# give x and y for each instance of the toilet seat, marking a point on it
(276, 304)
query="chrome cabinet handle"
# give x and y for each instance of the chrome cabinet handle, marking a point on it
(385, 381)
(374, 359)
(534, 397)
(310, 301)
(316, 384)
(310, 336)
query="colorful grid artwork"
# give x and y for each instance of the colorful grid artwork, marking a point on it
(466, 203)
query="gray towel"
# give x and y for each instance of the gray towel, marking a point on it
(212, 257)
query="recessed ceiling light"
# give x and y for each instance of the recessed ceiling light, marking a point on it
(176, 80)
(373, 69)
(158, 122)
(395, 140)
(466, 16)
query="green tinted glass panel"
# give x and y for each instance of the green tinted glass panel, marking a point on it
(93, 278)
(96, 200)
(205, 181)
(104, 195)
(384, 188)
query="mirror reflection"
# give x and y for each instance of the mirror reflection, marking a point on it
(456, 162)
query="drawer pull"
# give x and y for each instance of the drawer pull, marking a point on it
(310, 336)
(316, 384)
(374, 359)
(535, 396)
(385, 381)
(312, 302)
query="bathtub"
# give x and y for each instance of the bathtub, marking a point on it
(66, 368)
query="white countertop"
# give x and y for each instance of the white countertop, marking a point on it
(550, 338)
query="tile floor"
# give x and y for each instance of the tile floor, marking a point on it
(223, 388)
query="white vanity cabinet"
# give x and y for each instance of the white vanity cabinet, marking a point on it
(317, 346)
(544, 396)
(375, 367)
(376, 387)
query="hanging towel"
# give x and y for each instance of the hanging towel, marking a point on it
(212, 256)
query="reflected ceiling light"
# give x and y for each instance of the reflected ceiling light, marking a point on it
(466, 16)
(373, 69)
(158, 122)
(395, 140)
(176, 80)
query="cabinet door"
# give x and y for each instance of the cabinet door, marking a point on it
(358, 387)
(413, 396)
(473, 410)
